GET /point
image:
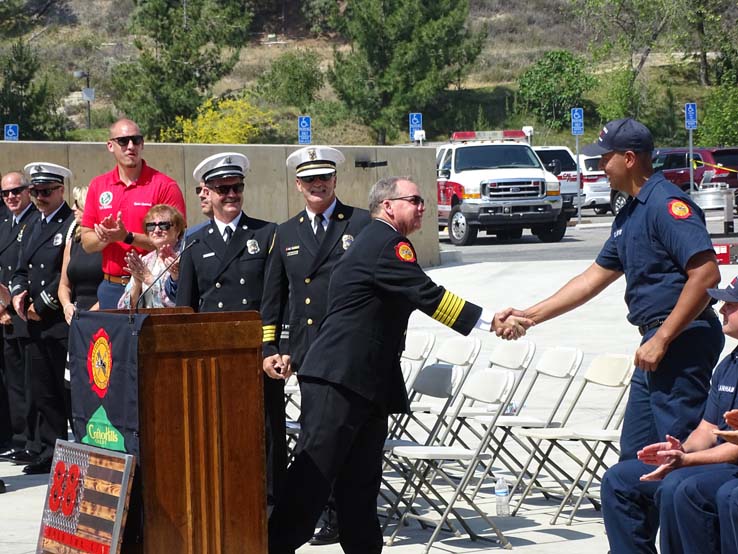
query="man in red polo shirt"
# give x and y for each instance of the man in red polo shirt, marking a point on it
(117, 202)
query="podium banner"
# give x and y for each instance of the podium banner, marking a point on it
(103, 364)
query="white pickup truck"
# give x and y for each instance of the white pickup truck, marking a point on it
(493, 181)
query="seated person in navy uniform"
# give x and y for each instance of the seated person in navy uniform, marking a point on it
(351, 378)
(305, 251)
(680, 493)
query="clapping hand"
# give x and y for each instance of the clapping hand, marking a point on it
(136, 267)
(668, 456)
(731, 418)
(169, 255)
(111, 229)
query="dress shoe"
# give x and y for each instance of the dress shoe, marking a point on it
(22, 457)
(2, 486)
(326, 535)
(38, 467)
(6, 452)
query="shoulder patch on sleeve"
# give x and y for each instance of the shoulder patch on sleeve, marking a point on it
(678, 209)
(404, 252)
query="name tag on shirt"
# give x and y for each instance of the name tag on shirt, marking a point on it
(726, 388)
(208, 255)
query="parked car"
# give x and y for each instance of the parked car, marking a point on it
(560, 161)
(595, 184)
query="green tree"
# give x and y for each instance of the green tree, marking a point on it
(293, 79)
(553, 85)
(403, 54)
(26, 99)
(12, 17)
(720, 114)
(321, 15)
(189, 47)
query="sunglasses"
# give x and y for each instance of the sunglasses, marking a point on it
(123, 141)
(414, 199)
(43, 193)
(198, 190)
(163, 225)
(222, 190)
(15, 192)
(310, 178)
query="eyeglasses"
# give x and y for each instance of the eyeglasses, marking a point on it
(310, 178)
(123, 141)
(414, 199)
(222, 190)
(43, 193)
(163, 225)
(15, 192)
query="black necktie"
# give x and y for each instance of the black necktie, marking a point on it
(319, 229)
(228, 234)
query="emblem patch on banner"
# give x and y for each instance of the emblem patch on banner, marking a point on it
(100, 362)
(679, 209)
(405, 252)
(99, 431)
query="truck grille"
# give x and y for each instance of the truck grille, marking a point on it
(500, 190)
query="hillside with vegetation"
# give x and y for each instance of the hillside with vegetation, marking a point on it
(242, 71)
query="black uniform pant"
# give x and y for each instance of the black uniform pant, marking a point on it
(20, 408)
(276, 438)
(341, 439)
(46, 359)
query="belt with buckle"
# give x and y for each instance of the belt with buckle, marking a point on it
(117, 279)
(707, 313)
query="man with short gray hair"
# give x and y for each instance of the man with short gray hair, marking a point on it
(351, 378)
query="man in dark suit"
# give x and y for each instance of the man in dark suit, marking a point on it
(351, 377)
(15, 228)
(34, 288)
(305, 250)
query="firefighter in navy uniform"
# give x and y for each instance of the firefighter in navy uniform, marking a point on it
(15, 228)
(224, 270)
(305, 250)
(34, 290)
(351, 377)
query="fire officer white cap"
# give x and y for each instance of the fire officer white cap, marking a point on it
(315, 160)
(220, 166)
(45, 173)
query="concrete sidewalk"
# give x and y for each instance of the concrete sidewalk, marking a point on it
(598, 327)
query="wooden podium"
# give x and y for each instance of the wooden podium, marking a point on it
(202, 433)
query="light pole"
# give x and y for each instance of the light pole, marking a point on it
(86, 74)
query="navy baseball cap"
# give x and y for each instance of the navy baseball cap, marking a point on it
(621, 135)
(728, 294)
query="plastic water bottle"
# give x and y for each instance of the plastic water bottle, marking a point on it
(502, 494)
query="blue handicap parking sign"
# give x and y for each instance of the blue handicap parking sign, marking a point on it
(415, 121)
(304, 129)
(577, 121)
(12, 132)
(690, 115)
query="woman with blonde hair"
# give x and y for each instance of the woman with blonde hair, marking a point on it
(165, 226)
(81, 272)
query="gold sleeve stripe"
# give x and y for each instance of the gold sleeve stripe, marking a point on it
(449, 309)
(269, 333)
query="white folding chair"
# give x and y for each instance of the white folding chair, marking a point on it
(418, 346)
(609, 371)
(425, 464)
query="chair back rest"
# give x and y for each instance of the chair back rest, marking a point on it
(512, 354)
(418, 345)
(488, 385)
(436, 380)
(461, 351)
(560, 362)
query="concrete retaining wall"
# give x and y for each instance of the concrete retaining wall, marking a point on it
(270, 189)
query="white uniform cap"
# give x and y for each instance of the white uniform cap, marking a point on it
(220, 166)
(45, 173)
(314, 160)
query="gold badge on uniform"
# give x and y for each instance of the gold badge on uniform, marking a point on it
(405, 252)
(347, 240)
(679, 210)
(252, 246)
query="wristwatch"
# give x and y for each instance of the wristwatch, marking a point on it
(129, 238)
